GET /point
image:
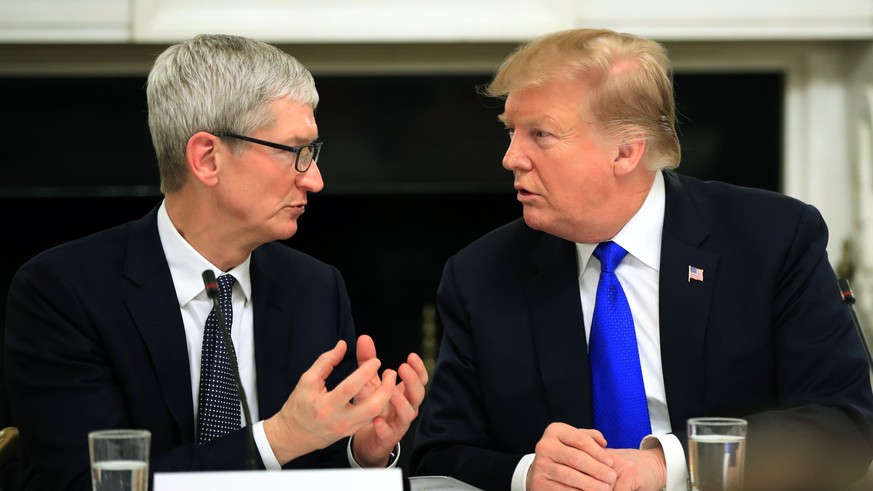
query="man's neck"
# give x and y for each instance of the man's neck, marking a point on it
(198, 225)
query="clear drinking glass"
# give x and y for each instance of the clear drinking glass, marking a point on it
(716, 453)
(119, 460)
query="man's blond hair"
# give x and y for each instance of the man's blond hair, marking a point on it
(629, 82)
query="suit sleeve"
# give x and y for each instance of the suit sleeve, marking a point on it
(818, 435)
(453, 435)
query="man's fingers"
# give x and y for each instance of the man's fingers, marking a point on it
(325, 363)
(374, 405)
(590, 442)
(574, 451)
(382, 429)
(586, 464)
(366, 349)
(598, 437)
(393, 428)
(567, 478)
(352, 385)
(389, 381)
(548, 474)
(413, 386)
(417, 364)
(403, 408)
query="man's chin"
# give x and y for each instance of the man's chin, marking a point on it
(543, 224)
(287, 231)
(534, 220)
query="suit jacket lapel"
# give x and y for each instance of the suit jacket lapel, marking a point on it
(684, 303)
(558, 331)
(272, 321)
(154, 308)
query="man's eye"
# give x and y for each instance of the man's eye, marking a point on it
(541, 134)
(510, 132)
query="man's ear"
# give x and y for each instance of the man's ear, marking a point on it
(202, 157)
(629, 155)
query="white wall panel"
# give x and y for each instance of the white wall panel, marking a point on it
(352, 21)
(64, 20)
(330, 21)
(500, 20)
(734, 19)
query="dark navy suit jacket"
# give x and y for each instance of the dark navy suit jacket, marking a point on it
(94, 339)
(765, 336)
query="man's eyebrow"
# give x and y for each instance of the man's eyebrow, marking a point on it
(538, 121)
(296, 141)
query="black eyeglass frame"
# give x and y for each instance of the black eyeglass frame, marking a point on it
(314, 148)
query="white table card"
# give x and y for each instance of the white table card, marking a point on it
(296, 480)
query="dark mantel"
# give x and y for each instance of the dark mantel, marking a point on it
(396, 134)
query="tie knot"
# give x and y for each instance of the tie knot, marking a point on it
(225, 286)
(610, 255)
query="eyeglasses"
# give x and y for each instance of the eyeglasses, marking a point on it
(305, 155)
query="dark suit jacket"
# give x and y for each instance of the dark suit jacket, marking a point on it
(94, 339)
(765, 336)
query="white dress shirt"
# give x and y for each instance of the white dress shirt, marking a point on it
(186, 268)
(638, 274)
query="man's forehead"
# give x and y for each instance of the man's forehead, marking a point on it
(521, 111)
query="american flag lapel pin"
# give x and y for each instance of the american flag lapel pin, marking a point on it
(695, 274)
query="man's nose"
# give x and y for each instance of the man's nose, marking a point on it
(515, 158)
(311, 180)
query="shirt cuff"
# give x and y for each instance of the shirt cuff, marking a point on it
(392, 459)
(674, 457)
(271, 463)
(519, 477)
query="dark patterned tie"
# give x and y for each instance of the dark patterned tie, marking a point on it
(218, 411)
(619, 395)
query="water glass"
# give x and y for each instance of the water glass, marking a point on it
(716, 453)
(119, 460)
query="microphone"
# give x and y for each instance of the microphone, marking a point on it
(848, 297)
(212, 292)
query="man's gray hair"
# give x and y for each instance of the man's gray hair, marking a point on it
(217, 82)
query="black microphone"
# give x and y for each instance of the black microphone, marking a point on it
(212, 292)
(848, 297)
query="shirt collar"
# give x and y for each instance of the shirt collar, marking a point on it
(641, 235)
(187, 265)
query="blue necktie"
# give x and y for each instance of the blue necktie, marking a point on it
(619, 395)
(218, 411)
